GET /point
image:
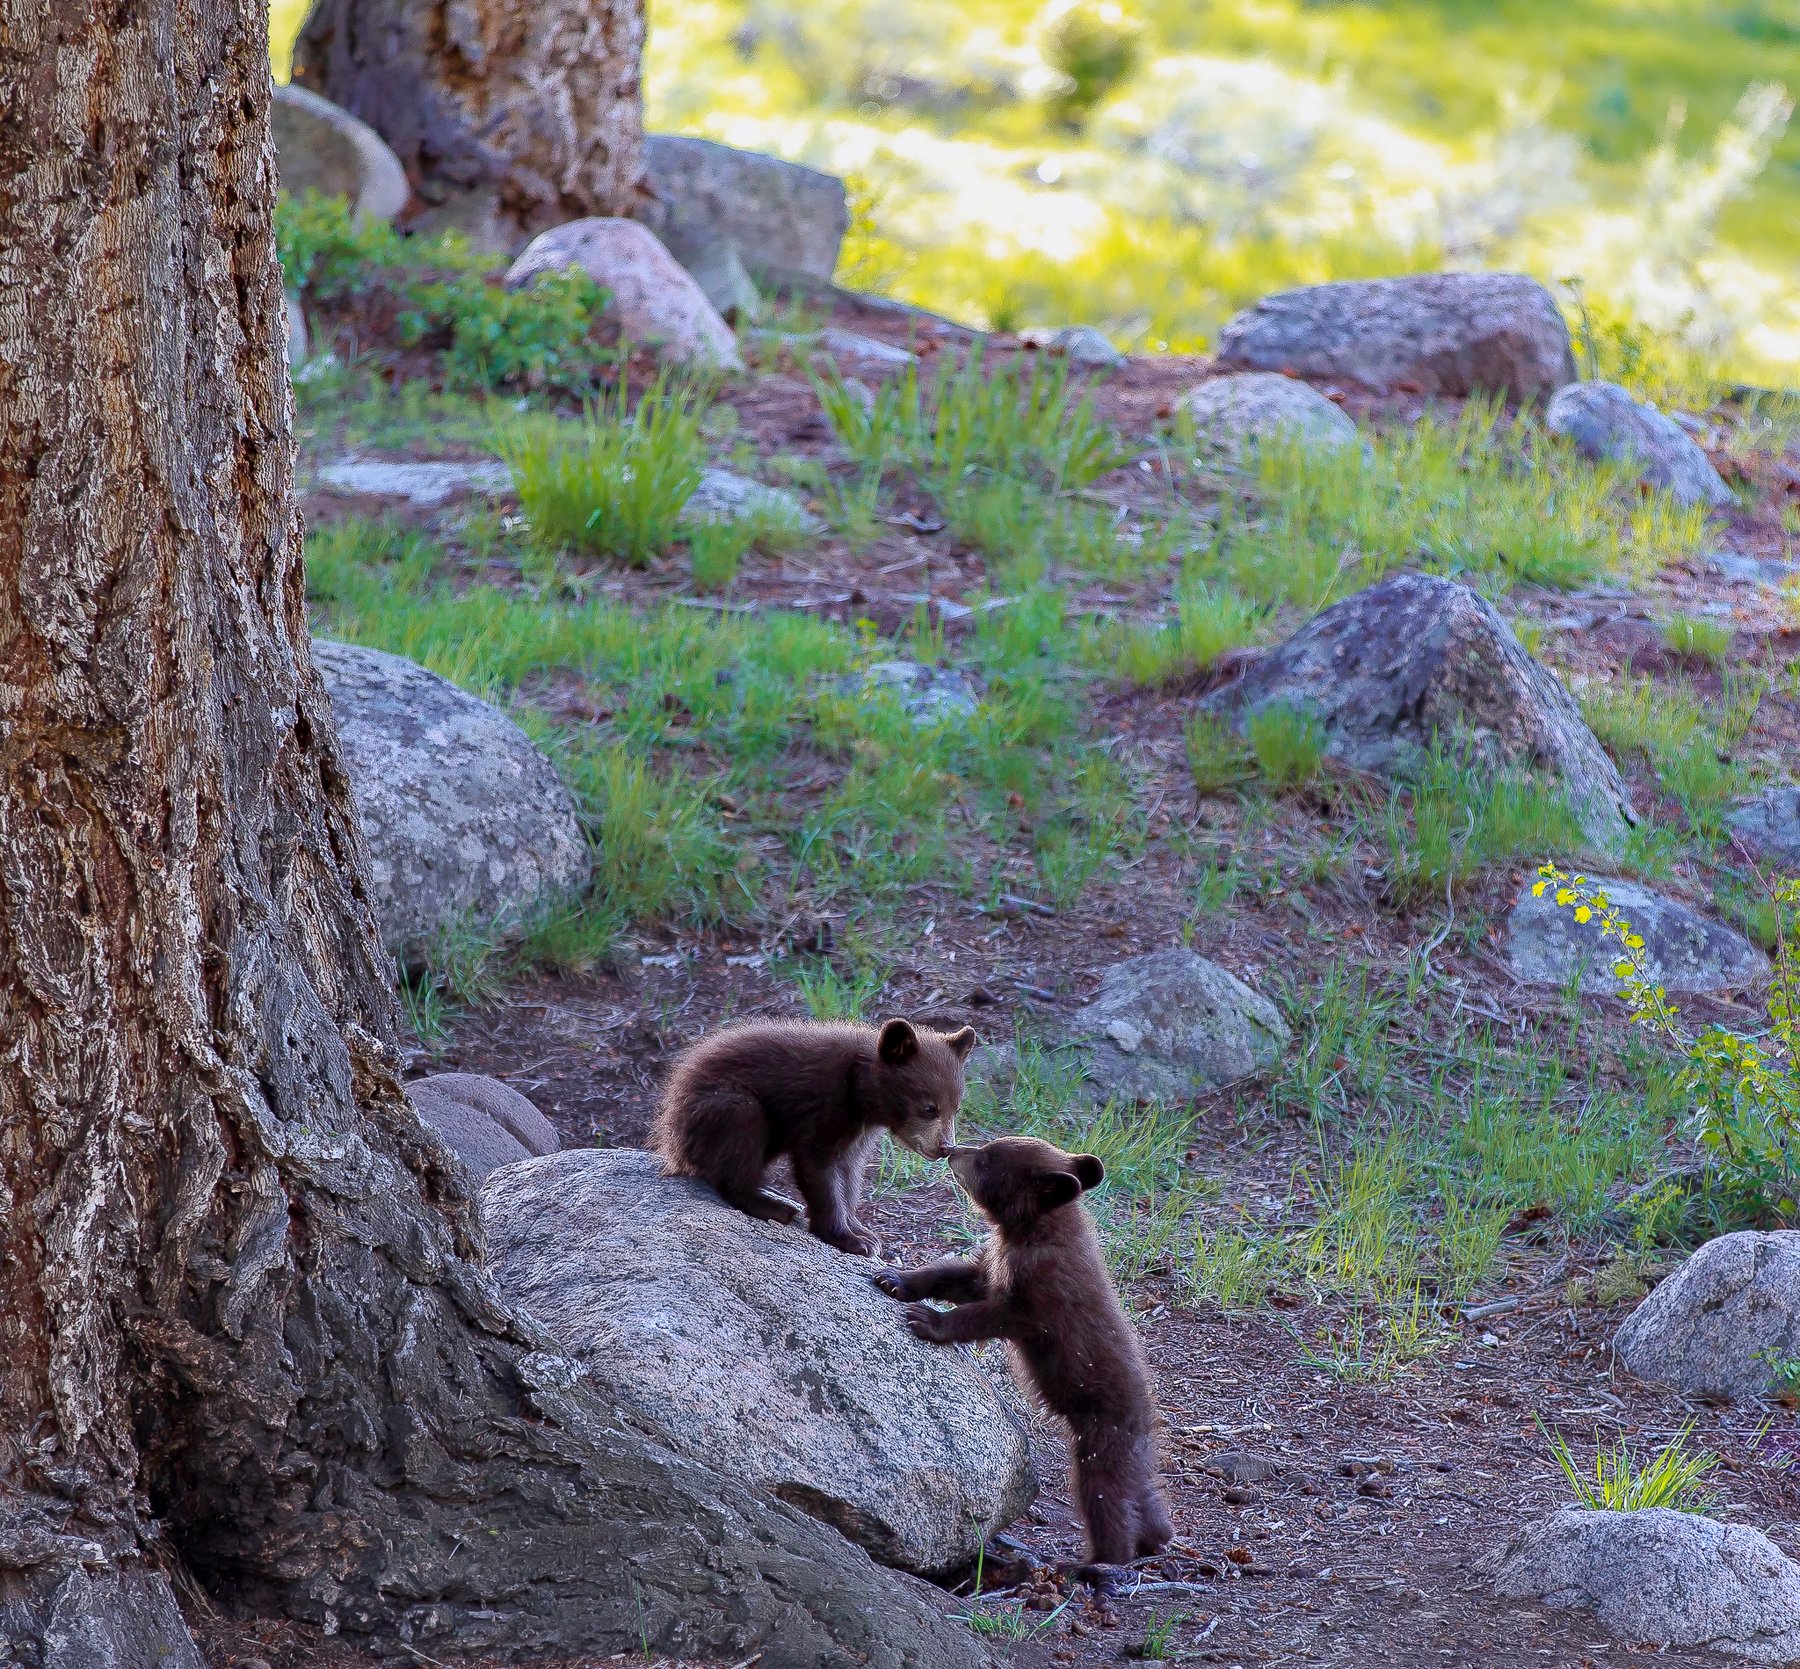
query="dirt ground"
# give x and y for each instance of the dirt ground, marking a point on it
(1317, 1521)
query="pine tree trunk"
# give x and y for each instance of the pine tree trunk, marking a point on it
(243, 1321)
(534, 102)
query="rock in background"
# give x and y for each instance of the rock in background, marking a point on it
(1416, 657)
(320, 147)
(465, 818)
(1708, 1328)
(1234, 415)
(1436, 333)
(1602, 421)
(1660, 1577)
(763, 1352)
(1770, 825)
(484, 1122)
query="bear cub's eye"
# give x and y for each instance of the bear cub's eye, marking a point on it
(931, 1110)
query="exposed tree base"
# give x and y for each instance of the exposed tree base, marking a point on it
(73, 1616)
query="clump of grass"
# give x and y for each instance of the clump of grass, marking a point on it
(1619, 1482)
(1288, 744)
(616, 483)
(1210, 621)
(1698, 638)
(831, 994)
(715, 548)
(1235, 1270)
(1217, 758)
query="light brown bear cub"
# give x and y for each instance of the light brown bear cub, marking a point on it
(822, 1094)
(1040, 1283)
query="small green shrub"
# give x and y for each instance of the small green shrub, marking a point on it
(1673, 1477)
(1698, 638)
(1288, 743)
(615, 484)
(326, 251)
(537, 337)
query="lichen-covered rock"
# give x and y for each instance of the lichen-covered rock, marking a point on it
(465, 818)
(321, 147)
(425, 483)
(1234, 415)
(484, 1122)
(1770, 825)
(931, 695)
(1602, 421)
(761, 1351)
(724, 496)
(1709, 1328)
(1660, 1577)
(776, 216)
(1437, 333)
(653, 297)
(1684, 951)
(1416, 657)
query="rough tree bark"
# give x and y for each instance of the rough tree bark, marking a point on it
(535, 102)
(243, 1322)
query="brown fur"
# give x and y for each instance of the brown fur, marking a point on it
(821, 1094)
(1041, 1284)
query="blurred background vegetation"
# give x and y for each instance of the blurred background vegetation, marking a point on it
(1148, 166)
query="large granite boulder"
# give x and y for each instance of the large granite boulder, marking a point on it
(1436, 333)
(1770, 826)
(1710, 1328)
(484, 1122)
(1416, 657)
(1660, 1577)
(465, 818)
(1684, 951)
(761, 1351)
(320, 147)
(655, 301)
(1235, 415)
(777, 217)
(1602, 421)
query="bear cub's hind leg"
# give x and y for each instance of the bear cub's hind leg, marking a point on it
(725, 1143)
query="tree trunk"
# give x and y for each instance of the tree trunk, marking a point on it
(532, 107)
(243, 1321)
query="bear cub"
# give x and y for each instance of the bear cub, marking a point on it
(1041, 1284)
(820, 1093)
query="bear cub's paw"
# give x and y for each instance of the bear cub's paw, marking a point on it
(893, 1282)
(926, 1323)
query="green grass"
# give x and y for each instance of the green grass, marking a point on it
(1620, 1482)
(1698, 638)
(1217, 758)
(616, 483)
(1287, 743)
(714, 551)
(1210, 621)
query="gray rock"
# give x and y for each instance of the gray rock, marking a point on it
(1603, 421)
(1234, 415)
(724, 496)
(484, 1122)
(1081, 345)
(296, 331)
(1770, 824)
(1414, 657)
(778, 215)
(320, 147)
(866, 356)
(1702, 1329)
(1684, 951)
(463, 816)
(655, 301)
(1439, 333)
(1166, 1026)
(1659, 1576)
(424, 485)
(930, 694)
(761, 1351)
(716, 268)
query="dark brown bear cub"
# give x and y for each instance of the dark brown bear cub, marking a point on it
(821, 1094)
(1041, 1284)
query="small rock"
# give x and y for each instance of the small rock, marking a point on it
(653, 298)
(1603, 421)
(321, 147)
(1239, 1466)
(1437, 333)
(1235, 415)
(1418, 657)
(1708, 1329)
(1684, 951)
(866, 356)
(776, 216)
(931, 695)
(723, 496)
(762, 1352)
(424, 485)
(1082, 345)
(1241, 1495)
(1770, 824)
(464, 817)
(1659, 1576)
(720, 274)
(484, 1122)
(296, 331)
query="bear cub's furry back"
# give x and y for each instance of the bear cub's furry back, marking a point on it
(1041, 1284)
(820, 1093)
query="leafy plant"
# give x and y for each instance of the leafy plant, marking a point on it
(1784, 1373)
(536, 337)
(1619, 1482)
(326, 251)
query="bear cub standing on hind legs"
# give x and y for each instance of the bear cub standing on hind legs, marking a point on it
(820, 1093)
(1041, 1284)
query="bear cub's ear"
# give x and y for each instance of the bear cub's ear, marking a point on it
(1090, 1171)
(961, 1042)
(897, 1043)
(1058, 1188)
